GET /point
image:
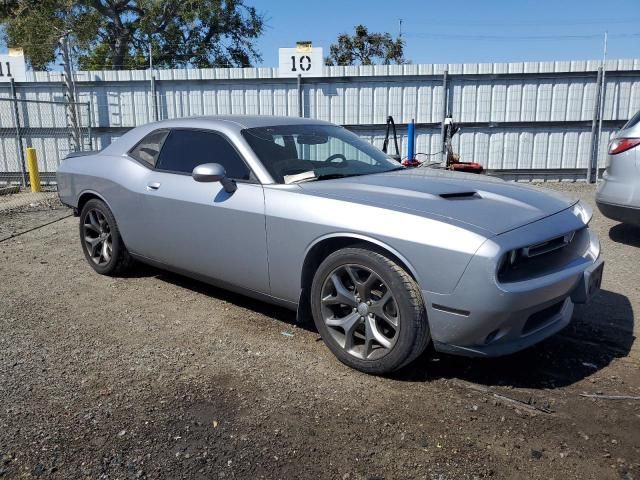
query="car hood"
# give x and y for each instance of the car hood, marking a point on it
(486, 203)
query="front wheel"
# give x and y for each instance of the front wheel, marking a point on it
(101, 241)
(369, 311)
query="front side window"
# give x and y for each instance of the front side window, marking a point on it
(148, 149)
(294, 153)
(183, 150)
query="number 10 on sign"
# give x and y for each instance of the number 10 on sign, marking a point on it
(294, 62)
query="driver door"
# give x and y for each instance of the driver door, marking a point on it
(199, 227)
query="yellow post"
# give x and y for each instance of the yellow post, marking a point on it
(34, 175)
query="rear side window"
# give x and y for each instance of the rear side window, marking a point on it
(148, 149)
(183, 150)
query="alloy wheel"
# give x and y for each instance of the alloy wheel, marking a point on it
(97, 237)
(360, 311)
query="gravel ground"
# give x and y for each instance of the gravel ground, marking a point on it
(24, 211)
(26, 199)
(158, 376)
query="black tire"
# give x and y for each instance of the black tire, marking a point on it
(411, 336)
(119, 260)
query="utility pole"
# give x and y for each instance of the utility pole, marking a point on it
(400, 28)
(70, 93)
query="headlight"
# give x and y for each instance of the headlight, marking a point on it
(583, 212)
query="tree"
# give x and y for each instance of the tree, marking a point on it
(36, 26)
(119, 33)
(366, 48)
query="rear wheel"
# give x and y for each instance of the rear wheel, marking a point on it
(369, 311)
(101, 241)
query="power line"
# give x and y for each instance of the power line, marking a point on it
(536, 23)
(516, 37)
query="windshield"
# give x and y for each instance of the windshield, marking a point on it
(294, 153)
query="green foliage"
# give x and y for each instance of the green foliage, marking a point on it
(36, 26)
(366, 48)
(119, 33)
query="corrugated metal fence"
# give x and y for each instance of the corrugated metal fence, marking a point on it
(531, 117)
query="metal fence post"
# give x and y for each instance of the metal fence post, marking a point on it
(603, 88)
(89, 124)
(300, 113)
(592, 166)
(445, 95)
(154, 98)
(70, 91)
(16, 114)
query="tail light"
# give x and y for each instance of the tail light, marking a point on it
(620, 145)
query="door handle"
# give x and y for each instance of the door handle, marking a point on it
(153, 186)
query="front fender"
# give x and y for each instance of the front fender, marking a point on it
(365, 238)
(435, 252)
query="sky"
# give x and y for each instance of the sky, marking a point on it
(462, 31)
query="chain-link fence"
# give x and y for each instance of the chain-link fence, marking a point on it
(53, 129)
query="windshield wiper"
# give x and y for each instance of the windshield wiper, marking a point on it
(312, 176)
(331, 176)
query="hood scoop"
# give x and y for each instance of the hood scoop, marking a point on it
(460, 195)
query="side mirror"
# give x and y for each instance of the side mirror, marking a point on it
(213, 172)
(209, 172)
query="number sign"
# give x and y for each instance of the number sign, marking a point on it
(12, 66)
(297, 61)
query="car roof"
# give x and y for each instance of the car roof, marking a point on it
(221, 123)
(242, 121)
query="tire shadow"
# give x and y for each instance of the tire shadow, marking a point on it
(625, 234)
(599, 333)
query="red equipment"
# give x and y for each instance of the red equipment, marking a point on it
(453, 159)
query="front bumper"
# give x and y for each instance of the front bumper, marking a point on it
(511, 337)
(484, 318)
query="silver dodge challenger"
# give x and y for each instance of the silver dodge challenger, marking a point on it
(305, 214)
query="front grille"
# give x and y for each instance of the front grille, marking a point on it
(543, 258)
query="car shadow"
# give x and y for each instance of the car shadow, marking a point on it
(599, 333)
(242, 301)
(625, 234)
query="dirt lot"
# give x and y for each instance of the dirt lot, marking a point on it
(157, 376)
